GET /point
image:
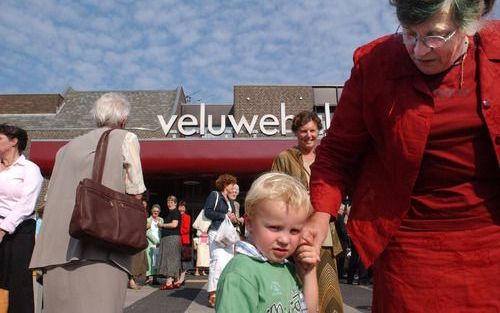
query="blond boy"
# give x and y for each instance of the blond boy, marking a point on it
(259, 278)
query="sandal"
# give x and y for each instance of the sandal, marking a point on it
(133, 285)
(167, 286)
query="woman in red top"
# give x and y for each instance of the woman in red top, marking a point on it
(416, 142)
(186, 249)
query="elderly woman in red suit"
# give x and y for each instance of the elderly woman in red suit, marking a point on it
(415, 141)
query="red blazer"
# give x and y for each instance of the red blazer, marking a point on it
(185, 229)
(375, 145)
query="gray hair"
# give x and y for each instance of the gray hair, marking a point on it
(110, 109)
(466, 14)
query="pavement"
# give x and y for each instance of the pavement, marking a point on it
(192, 298)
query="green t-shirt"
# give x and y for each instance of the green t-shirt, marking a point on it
(248, 285)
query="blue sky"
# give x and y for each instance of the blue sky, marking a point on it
(204, 46)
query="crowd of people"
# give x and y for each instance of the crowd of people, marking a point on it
(411, 161)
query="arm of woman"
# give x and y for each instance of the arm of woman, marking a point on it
(31, 187)
(134, 182)
(171, 225)
(338, 155)
(210, 209)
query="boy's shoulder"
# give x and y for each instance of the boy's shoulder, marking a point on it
(247, 266)
(241, 262)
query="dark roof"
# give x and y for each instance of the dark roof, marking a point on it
(30, 103)
(75, 110)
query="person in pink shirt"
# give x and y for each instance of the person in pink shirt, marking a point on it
(20, 184)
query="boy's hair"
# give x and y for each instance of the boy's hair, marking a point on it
(277, 186)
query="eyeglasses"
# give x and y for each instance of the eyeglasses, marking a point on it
(432, 42)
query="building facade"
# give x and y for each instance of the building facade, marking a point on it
(184, 146)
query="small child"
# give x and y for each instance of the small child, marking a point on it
(260, 278)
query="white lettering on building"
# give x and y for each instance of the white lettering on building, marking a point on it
(269, 124)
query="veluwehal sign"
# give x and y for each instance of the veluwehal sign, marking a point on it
(268, 124)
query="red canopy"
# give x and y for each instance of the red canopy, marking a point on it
(182, 157)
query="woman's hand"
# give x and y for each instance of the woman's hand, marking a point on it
(317, 227)
(233, 218)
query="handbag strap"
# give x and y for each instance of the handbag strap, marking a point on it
(216, 199)
(100, 156)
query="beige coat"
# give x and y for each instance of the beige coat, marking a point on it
(55, 246)
(290, 162)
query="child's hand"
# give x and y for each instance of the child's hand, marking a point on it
(306, 256)
(307, 252)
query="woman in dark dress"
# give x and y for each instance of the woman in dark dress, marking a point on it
(169, 262)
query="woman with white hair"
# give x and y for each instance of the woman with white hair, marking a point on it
(80, 276)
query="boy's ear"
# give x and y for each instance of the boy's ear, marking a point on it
(248, 222)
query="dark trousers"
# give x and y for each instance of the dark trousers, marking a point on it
(355, 265)
(15, 275)
(341, 264)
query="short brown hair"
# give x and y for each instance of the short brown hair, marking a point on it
(18, 133)
(224, 180)
(303, 118)
(172, 198)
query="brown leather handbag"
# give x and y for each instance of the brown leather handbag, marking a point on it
(105, 217)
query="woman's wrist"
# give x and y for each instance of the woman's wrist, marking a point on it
(2, 234)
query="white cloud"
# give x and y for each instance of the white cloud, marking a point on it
(46, 45)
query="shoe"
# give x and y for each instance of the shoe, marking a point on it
(133, 286)
(196, 274)
(148, 281)
(178, 284)
(167, 287)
